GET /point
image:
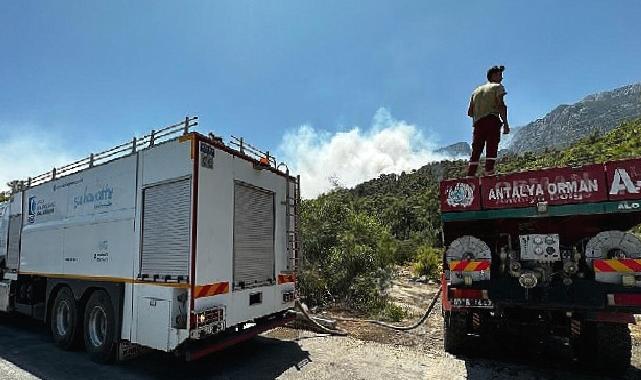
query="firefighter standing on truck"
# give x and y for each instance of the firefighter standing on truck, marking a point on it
(489, 112)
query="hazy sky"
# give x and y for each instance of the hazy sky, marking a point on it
(295, 77)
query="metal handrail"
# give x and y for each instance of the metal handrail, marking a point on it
(139, 143)
(251, 151)
(118, 151)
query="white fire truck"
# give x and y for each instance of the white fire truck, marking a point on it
(174, 241)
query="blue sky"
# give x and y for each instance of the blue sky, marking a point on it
(81, 76)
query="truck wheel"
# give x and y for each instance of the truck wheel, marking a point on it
(604, 346)
(100, 326)
(65, 323)
(454, 332)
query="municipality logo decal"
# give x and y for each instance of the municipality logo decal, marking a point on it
(32, 209)
(460, 195)
(40, 207)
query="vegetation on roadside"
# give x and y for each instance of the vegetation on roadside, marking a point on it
(348, 253)
(428, 262)
(393, 312)
(352, 238)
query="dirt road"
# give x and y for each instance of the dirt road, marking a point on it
(27, 352)
(374, 352)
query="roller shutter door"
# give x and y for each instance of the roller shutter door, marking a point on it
(253, 236)
(166, 230)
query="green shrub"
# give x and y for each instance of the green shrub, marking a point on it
(313, 286)
(428, 262)
(393, 312)
(406, 252)
(347, 254)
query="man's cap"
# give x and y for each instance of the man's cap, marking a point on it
(494, 69)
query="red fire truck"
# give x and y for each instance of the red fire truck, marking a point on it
(547, 251)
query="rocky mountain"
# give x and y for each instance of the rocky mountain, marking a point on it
(566, 124)
(460, 149)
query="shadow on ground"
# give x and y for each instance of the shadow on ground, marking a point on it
(27, 345)
(526, 359)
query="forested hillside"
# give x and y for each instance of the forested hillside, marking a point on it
(353, 237)
(567, 124)
(622, 142)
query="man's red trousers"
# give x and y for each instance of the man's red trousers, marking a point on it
(487, 130)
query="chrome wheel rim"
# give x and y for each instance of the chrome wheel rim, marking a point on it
(63, 318)
(97, 326)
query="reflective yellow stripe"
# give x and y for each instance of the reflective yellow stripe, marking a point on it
(106, 279)
(619, 266)
(470, 266)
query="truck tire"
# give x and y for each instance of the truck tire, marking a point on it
(454, 332)
(100, 326)
(605, 347)
(65, 321)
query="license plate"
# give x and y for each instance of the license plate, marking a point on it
(471, 302)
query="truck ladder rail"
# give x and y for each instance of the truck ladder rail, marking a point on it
(292, 203)
(121, 150)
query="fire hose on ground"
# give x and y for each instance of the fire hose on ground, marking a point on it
(303, 310)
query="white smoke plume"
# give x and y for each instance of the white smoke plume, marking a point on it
(348, 158)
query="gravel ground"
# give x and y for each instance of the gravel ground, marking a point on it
(349, 358)
(26, 352)
(370, 352)
(550, 359)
